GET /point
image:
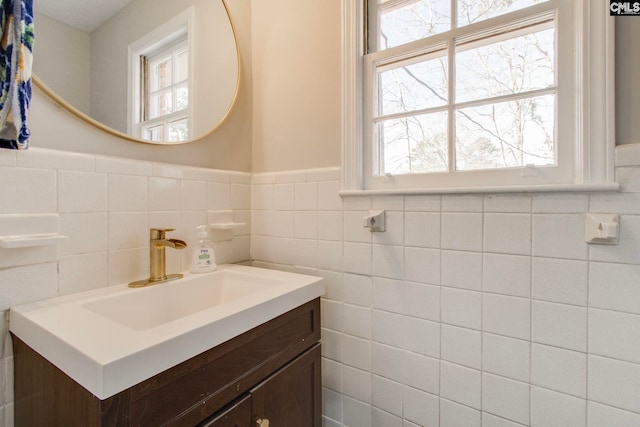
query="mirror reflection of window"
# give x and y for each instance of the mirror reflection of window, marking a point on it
(164, 78)
(161, 76)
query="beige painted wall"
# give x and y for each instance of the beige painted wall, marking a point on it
(64, 51)
(229, 147)
(296, 84)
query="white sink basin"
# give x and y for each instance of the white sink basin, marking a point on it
(163, 304)
(111, 339)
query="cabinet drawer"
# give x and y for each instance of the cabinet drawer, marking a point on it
(200, 386)
(236, 415)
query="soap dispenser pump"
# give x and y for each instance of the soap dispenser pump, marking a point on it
(203, 258)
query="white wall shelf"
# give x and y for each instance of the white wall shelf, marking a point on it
(222, 225)
(29, 239)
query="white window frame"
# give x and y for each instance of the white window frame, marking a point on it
(181, 23)
(594, 131)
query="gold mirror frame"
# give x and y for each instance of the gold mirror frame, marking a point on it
(59, 100)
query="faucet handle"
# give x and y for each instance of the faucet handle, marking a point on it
(159, 233)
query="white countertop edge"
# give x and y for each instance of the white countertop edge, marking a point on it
(63, 356)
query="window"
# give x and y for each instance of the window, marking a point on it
(477, 94)
(160, 79)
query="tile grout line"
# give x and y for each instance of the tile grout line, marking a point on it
(531, 233)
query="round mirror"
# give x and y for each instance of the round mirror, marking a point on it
(154, 71)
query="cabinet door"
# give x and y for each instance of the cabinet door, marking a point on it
(238, 415)
(292, 396)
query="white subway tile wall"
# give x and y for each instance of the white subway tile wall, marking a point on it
(470, 310)
(106, 207)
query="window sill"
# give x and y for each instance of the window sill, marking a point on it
(554, 188)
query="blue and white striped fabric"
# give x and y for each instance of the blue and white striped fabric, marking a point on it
(16, 55)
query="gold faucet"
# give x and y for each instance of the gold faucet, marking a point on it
(157, 258)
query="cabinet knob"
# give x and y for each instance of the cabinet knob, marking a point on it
(262, 423)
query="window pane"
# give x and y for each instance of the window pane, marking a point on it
(161, 74)
(507, 134)
(161, 104)
(178, 130)
(414, 144)
(182, 96)
(413, 20)
(155, 133)
(507, 67)
(182, 66)
(470, 11)
(413, 87)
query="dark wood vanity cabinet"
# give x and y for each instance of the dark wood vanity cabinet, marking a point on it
(271, 372)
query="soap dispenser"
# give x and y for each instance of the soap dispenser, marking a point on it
(203, 259)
